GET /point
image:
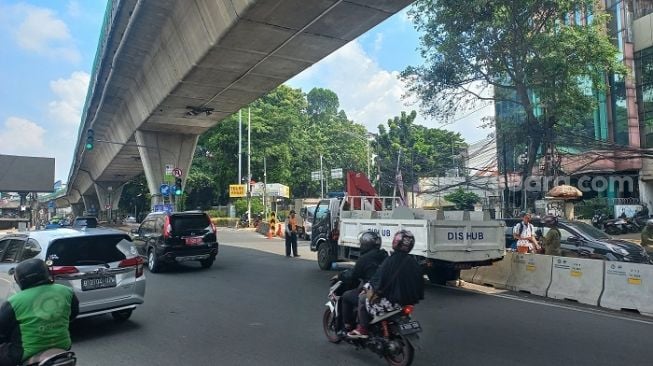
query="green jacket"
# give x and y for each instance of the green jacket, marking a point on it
(647, 238)
(37, 319)
(552, 242)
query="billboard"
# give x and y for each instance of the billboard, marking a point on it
(26, 174)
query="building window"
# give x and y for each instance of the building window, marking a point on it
(642, 8)
(644, 73)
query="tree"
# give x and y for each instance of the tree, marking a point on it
(462, 199)
(551, 68)
(426, 152)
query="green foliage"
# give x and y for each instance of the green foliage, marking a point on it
(426, 152)
(241, 206)
(586, 208)
(135, 194)
(550, 69)
(462, 199)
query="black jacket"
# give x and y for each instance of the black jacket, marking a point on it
(400, 279)
(365, 267)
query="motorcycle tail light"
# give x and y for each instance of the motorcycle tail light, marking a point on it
(408, 309)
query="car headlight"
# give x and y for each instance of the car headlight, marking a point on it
(617, 249)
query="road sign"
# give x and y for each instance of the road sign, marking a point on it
(316, 175)
(163, 208)
(238, 190)
(164, 189)
(169, 168)
(177, 172)
(336, 173)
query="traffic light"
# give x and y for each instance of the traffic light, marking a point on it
(90, 139)
(178, 189)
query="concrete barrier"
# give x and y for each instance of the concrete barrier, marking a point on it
(628, 286)
(576, 279)
(530, 273)
(468, 274)
(495, 275)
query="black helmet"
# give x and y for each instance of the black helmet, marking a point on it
(404, 241)
(550, 220)
(32, 272)
(369, 240)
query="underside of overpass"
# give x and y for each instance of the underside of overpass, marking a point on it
(166, 71)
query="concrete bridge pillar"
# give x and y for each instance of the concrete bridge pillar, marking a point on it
(91, 204)
(78, 209)
(108, 194)
(158, 149)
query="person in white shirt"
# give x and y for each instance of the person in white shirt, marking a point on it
(524, 233)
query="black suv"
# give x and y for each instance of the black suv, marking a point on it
(176, 237)
(579, 239)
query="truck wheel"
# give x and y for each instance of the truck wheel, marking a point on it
(325, 256)
(440, 275)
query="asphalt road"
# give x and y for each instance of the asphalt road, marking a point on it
(255, 307)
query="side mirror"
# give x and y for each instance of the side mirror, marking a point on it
(134, 231)
(573, 239)
(11, 271)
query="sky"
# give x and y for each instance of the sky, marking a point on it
(48, 48)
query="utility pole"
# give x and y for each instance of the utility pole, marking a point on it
(249, 166)
(265, 184)
(368, 158)
(321, 178)
(240, 146)
(394, 191)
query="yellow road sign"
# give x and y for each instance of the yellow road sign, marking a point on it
(237, 190)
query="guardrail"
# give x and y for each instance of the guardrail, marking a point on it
(611, 285)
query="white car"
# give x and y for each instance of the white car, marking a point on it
(102, 266)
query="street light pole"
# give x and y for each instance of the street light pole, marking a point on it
(321, 179)
(240, 147)
(249, 166)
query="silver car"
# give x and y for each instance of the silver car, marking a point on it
(102, 266)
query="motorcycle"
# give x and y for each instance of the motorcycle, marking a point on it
(391, 336)
(52, 357)
(599, 219)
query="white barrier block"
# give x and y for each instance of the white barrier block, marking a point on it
(495, 275)
(576, 279)
(468, 274)
(628, 286)
(530, 273)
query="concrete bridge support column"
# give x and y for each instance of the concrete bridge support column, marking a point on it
(78, 209)
(91, 204)
(108, 194)
(158, 149)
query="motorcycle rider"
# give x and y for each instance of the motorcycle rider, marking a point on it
(647, 237)
(398, 282)
(35, 319)
(371, 258)
(552, 239)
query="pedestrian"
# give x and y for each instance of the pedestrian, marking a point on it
(551, 240)
(291, 234)
(524, 233)
(647, 237)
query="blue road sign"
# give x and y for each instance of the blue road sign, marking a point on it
(164, 189)
(163, 208)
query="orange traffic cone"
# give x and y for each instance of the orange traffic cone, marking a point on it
(270, 231)
(279, 231)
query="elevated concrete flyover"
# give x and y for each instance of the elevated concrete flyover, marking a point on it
(166, 71)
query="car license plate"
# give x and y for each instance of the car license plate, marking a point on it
(95, 283)
(410, 327)
(195, 240)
